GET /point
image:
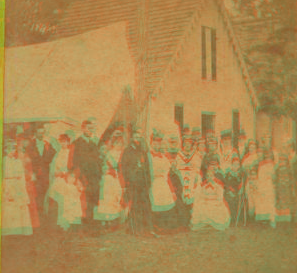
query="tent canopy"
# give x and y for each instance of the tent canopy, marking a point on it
(78, 77)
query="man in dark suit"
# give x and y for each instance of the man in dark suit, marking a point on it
(41, 154)
(84, 157)
(135, 169)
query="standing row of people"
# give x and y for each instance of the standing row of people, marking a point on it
(157, 187)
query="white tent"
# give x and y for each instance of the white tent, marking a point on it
(77, 77)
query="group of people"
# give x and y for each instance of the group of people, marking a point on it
(170, 184)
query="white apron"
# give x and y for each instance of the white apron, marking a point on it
(16, 218)
(209, 207)
(110, 190)
(161, 196)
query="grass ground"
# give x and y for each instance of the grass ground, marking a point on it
(251, 249)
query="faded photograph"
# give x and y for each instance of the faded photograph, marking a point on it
(149, 136)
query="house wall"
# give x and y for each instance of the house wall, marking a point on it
(185, 85)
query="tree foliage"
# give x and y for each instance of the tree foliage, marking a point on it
(272, 62)
(30, 21)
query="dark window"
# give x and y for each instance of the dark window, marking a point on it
(179, 115)
(213, 55)
(203, 48)
(209, 53)
(235, 127)
(208, 122)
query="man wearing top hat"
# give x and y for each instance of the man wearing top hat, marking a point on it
(84, 157)
(226, 150)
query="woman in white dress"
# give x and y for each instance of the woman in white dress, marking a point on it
(15, 200)
(65, 188)
(162, 196)
(209, 206)
(111, 192)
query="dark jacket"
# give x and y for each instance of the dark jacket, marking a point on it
(84, 156)
(41, 163)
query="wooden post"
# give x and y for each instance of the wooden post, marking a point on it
(141, 69)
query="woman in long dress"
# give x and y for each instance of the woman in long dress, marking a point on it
(15, 211)
(65, 189)
(162, 196)
(209, 206)
(111, 192)
(265, 204)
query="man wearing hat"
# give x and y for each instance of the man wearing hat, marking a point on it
(226, 151)
(84, 157)
(186, 165)
(135, 168)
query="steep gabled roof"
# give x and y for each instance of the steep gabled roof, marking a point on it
(168, 23)
(167, 20)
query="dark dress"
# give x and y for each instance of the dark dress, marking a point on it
(135, 170)
(85, 156)
(181, 213)
(233, 185)
(41, 168)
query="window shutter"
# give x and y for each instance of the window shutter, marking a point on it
(213, 54)
(203, 51)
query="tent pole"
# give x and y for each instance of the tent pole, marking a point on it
(141, 68)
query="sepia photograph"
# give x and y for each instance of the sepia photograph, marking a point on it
(149, 136)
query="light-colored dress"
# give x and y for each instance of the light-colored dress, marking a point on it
(15, 200)
(110, 189)
(161, 195)
(65, 193)
(209, 207)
